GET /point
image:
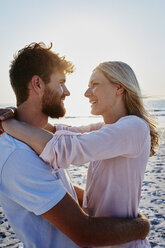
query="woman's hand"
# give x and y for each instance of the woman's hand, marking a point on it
(6, 113)
(49, 127)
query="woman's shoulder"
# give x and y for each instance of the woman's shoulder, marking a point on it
(134, 119)
(127, 125)
(134, 123)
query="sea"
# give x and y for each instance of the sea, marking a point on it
(155, 106)
(153, 194)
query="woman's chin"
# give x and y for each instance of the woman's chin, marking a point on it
(94, 112)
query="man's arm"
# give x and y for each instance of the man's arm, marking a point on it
(85, 230)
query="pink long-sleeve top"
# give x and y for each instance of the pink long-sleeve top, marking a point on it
(118, 155)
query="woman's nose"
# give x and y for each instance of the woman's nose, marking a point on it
(87, 92)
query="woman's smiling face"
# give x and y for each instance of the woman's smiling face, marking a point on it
(102, 94)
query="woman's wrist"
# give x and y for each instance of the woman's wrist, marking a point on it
(7, 124)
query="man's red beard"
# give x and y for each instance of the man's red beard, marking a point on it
(51, 104)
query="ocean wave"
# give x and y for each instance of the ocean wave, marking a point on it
(158, 110)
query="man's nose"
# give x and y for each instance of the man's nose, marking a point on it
(66, 91)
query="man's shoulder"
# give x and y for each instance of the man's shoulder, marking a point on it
(9, 146)
(8, 142)
(18, 158)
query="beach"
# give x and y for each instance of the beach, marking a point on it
(152, 198)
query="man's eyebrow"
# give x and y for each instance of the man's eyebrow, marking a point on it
(62, 80)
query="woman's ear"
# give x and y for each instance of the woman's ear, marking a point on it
(37, 84)
(119, 90)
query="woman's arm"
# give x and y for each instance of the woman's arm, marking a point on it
(122, 138)
(81, 129)
(35, 137)
(6, 113)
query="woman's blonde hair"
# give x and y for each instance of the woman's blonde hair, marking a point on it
(119, 72)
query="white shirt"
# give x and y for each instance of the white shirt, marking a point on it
(118, 155)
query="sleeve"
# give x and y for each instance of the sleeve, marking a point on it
(30, 182)
(80, 129)
(124, 138)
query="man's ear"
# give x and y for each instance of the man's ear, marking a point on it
(37, 84)
(119, 90)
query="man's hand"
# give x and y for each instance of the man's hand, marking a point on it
(143, 218)
(6, 113)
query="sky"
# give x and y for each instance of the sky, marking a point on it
(87, 32)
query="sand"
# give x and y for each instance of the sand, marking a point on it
(152, 200)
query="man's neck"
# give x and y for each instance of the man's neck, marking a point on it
(32, 115)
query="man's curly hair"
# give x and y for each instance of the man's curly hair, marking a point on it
(35, 59)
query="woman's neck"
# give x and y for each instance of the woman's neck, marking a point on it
(115, 114)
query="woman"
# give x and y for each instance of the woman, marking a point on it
(118, 149)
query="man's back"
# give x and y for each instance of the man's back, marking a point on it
(27, 190)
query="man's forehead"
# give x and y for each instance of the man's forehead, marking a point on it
(59, 75)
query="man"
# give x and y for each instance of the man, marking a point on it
(42, 207)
